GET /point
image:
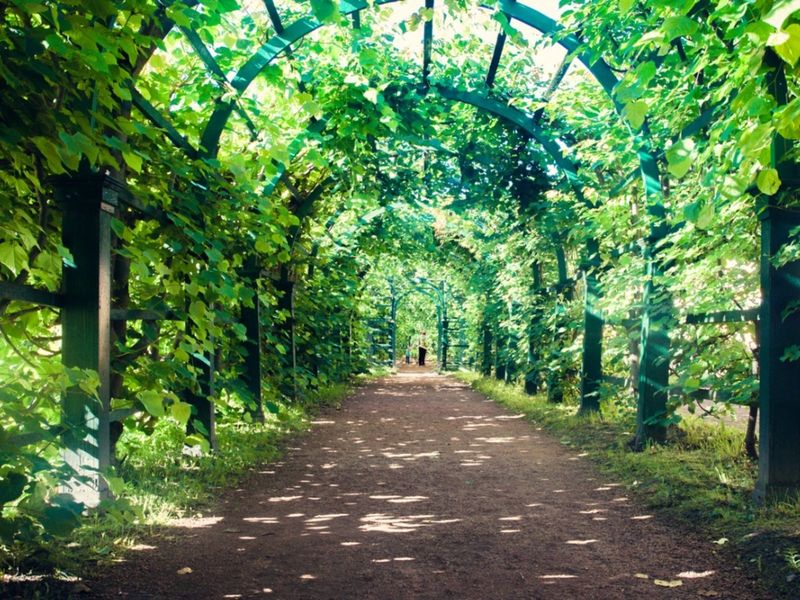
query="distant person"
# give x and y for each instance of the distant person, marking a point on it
(423, 350)
(408, 355)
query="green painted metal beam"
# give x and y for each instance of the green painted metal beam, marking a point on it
(749, 315)
(302, 27)
(88, 203)
(517, 118)
(26, 293)
(701, 122)
(134, 314)
(153, 115)
(256, 64)
(548, 26)
(274, 16)
(558, 77)
(497, 54)
(219, 75)
(427, 45)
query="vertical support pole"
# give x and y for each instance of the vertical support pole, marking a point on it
(500, 355)
(592, 361)
(393, 330)
(654, 359)
(510, 343)
(203, 420)
(779, 388)
(427, 46)
(653, 384)
(532, 375)
(251, 319)
(486, 362)
(555, 379)
(349, 344)
(779, 436)
(286, 333)
(439, 337)
(444, 340)
(88, 202)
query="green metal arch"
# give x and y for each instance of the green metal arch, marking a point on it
(306, 25)
(519, 119)
(418, 290)
(510, 114)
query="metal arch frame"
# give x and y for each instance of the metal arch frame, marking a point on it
(653, 380)
(510, 114)
(439, 296)
(591, 371)
(418, 284)
(511, 8)
(305, 25)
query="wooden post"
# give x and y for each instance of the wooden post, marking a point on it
(251, 319)
(486, 363)
(286, 333)
(654, 358)
(779, 388)
(203, 420)
(592, 360)
(88, 202)
(500, 355)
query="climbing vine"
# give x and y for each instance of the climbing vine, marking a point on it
(342, 178)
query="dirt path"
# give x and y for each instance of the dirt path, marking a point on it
(421, 488)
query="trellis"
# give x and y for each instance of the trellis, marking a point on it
(90, 200)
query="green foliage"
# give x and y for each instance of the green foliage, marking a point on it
(338, 172)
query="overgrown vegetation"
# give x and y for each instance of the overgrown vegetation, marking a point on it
(310, 185)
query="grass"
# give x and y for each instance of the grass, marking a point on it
(163, 483)
(700, 478)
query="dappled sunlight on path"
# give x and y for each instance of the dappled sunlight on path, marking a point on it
(420, 488)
